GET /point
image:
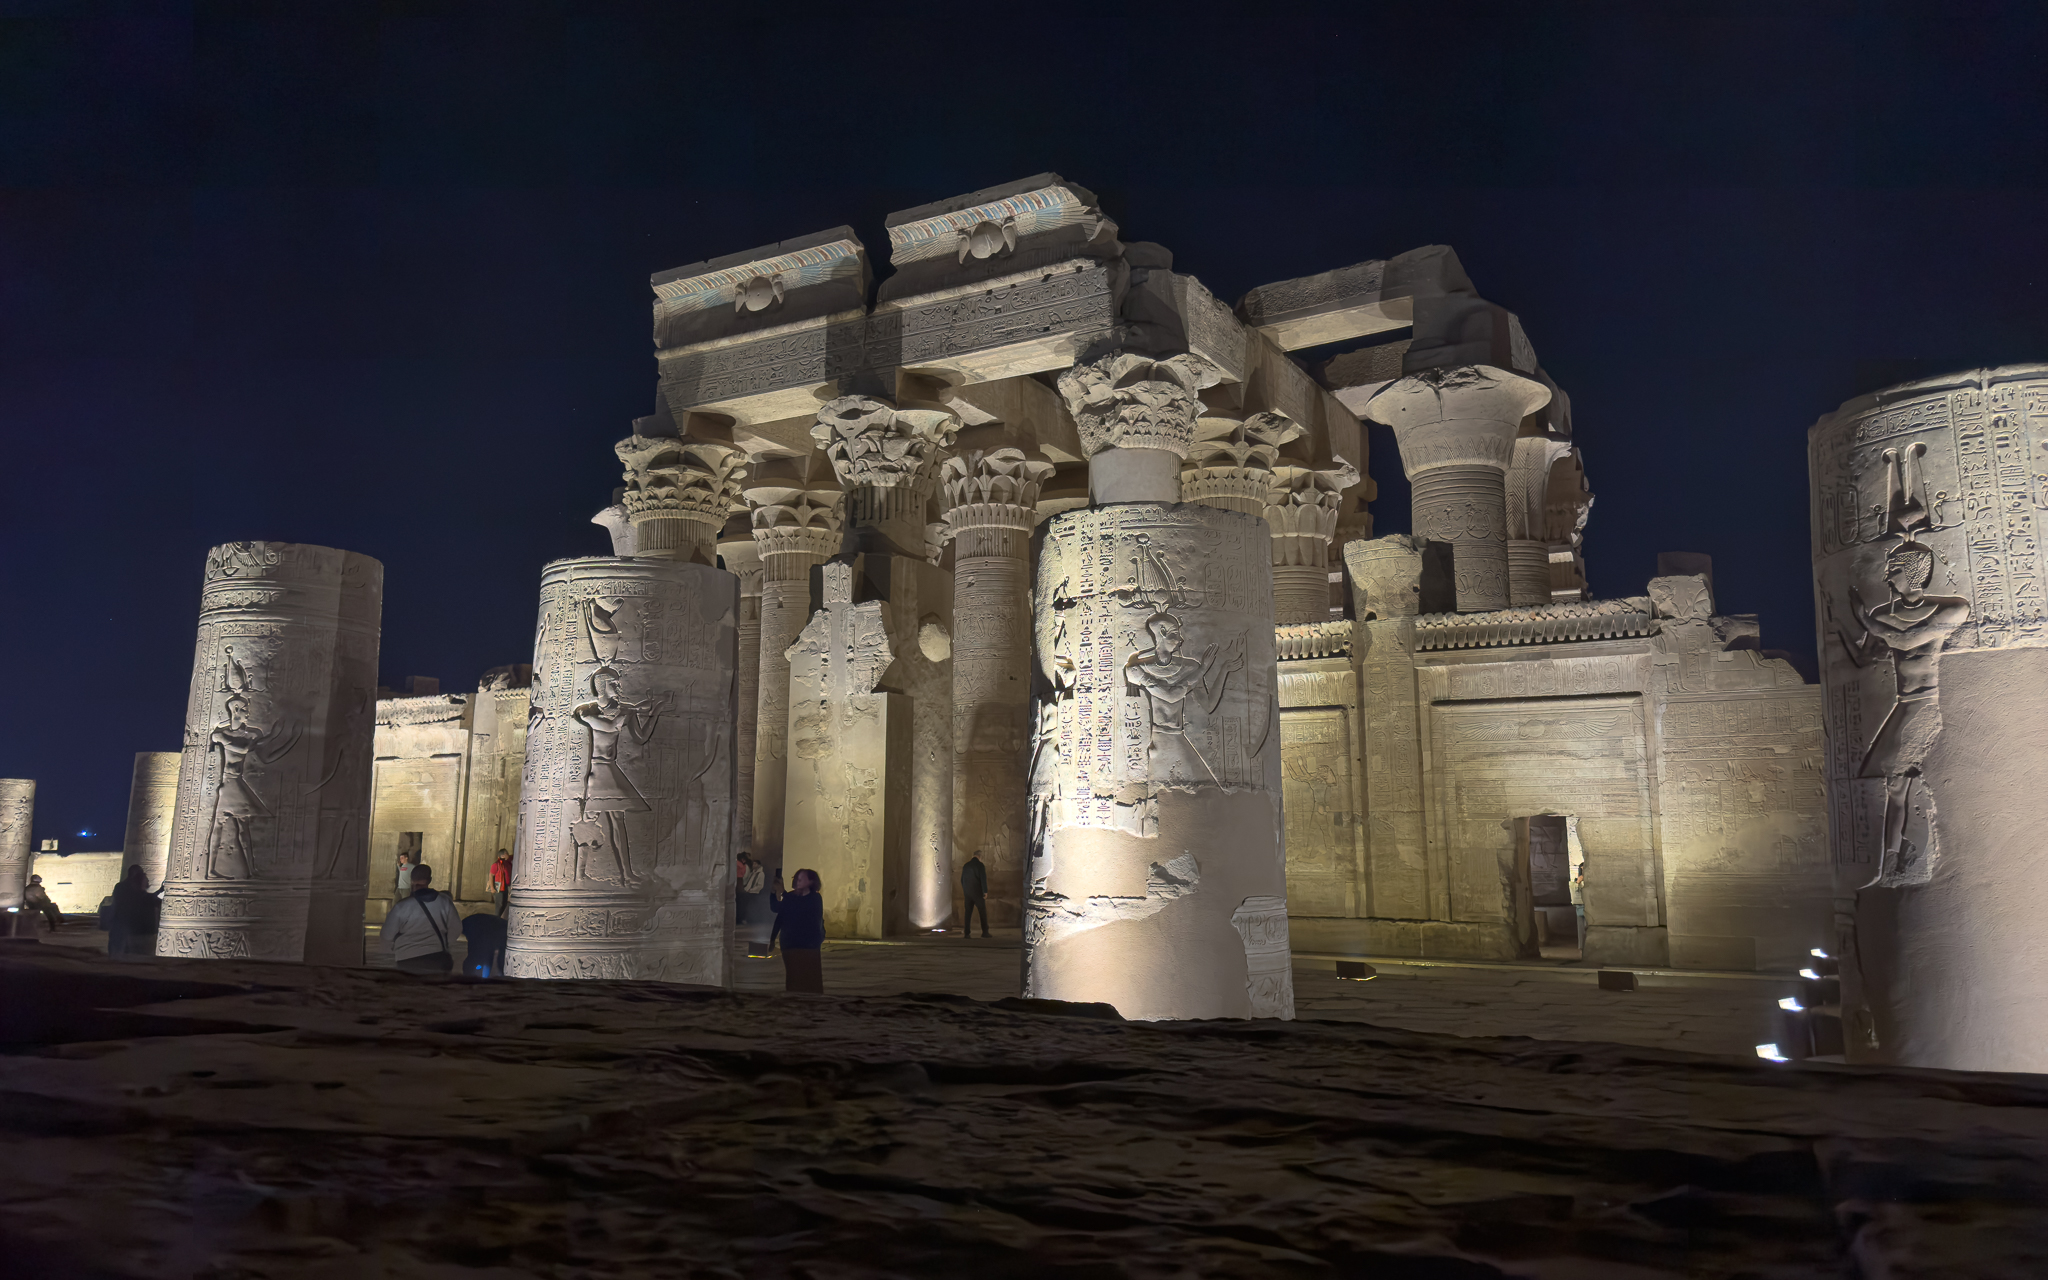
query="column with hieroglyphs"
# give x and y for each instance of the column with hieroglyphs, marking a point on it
(269, 846)
(17, 831)
(990, 504)
(742, 557)
(1158, 877)
(1456, 428)
(887, 460)
(624, 867)
(152, 806)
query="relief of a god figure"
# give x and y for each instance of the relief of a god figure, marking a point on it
(608, 792)
(236, 805)
(1168, 678)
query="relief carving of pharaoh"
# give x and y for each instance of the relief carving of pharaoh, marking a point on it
(1911, 625)
(608, 790)
(245, 747)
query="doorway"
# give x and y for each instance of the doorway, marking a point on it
(1550, 923)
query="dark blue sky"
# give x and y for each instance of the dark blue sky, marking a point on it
(374, 276)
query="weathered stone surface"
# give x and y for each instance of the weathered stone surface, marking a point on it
(269, 845)
(625, 859)
(17, 832)
(632, 1128)
(417, 788)
(152, 808)
(1156, 766)
(742, 293)
(1927, 560)
(796, 525)
(1007, 230)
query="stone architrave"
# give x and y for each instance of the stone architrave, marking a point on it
(743, 558)
(1456, 428)
(17, 830)
(152, 807)
(795, 530)
(887, 460)
(849, 780)
(678, 494)
(269, 848)
(991, 498)
(625, 860)
(1929, 573)
(1158, 876)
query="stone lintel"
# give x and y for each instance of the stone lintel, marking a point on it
(774, 285)
(1354, 301)
(1017, 227)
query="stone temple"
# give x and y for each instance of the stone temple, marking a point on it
(1036, 550)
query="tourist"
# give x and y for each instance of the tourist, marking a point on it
(131, 927)
(485, 934)
(36, 899)
(405, 870)
(974, 883)
(800, 919)
(417, 932)
(501, 882)
(753, 885)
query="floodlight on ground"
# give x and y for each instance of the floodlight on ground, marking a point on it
(1819, 954)
(1770, 1053)
(1791, 1004)
(1809, 975)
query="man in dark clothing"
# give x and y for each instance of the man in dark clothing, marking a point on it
(485, 933)
(974, 883)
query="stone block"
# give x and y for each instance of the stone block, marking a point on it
(1639, 947)
(1013, 229)
(742, 294)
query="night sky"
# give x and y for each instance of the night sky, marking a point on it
(375, 276)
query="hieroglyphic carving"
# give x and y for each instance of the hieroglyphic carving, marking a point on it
(152, 808)
(274, 781)
(17, 831)
(626, 802)
(1262, 922)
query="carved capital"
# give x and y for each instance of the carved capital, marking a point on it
(795, 529)
(1232, 465)
(1462, 416)
(1302, 510)
(873, 444)
(991, 501)
(1125, 401)
(679, 492)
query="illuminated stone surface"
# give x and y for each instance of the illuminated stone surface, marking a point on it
(625, 860)
(640, 1129)
(17, 831)
(152, 808)
(268, 849)
(1928, 501)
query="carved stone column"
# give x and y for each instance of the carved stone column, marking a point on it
(742, 557)
(1305, 505)
(1158, 878)
(625, 860)
(990, 500)
(1456, 428)
(269, 851)
(152, 806)
(17, 831)
(794, 529)
(887, 460)
(1528, 493)
(679, 492)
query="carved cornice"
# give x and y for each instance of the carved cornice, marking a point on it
(1537, 624)
(1125, 401)
(755, 286)
(441, 708)
(1313, 639)
(992, 229)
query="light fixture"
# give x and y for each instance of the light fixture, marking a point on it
(1791, 1004)
(1819, 954)
(1809, 975)
(1770, 1053)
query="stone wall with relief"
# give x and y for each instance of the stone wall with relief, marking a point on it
(268, 844)
(624, 862)
(1323, 782)
(416, 792)
(1928, 503)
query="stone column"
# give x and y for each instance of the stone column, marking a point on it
(678, 494)
(1302, 513)
(625, 860)
(1158, 878)
(887, 460)
(1928, 559)
(743, 557)
(1528, 493)
(269, 849)
(991, 505)
(17, 833)
(152, 805)
(794, 529)
(1456, 428)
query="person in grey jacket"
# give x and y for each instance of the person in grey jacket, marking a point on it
(420, 932)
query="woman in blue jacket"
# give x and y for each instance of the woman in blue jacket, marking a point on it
(800, 922)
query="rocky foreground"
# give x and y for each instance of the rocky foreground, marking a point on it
(174, 1119)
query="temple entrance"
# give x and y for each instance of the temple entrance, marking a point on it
(1548, 924)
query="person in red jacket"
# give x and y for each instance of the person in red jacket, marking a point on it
(501, 880)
